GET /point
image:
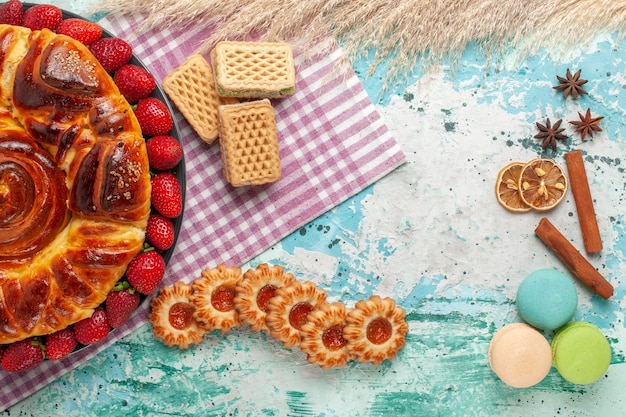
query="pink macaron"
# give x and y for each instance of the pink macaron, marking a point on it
(520, 355)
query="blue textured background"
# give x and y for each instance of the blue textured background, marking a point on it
(439, 244)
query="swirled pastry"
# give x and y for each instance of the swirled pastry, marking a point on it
(289, 309)
(74, 183)
(171, 316)
(213, 295)
(254, 292)
(375, 329)
(322, 336)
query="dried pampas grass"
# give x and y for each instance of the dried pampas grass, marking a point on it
(402, 32)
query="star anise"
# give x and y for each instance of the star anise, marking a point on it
(587, 124)
(550, 133)
(571, 85)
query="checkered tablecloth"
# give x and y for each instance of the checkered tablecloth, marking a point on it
(333, 144)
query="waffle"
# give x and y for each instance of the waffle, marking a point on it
(248, 143)
(191, 87)
(253, 69)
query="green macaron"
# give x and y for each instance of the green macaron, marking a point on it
(580, 352)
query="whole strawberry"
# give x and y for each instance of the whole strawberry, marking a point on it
(121, 303)
(146, 271)
(92, 329)
(164, 152)
(160, 232)
(11, 12)
(60, 344)
(167, 196)
(112, 53)
(42, 16)
(134, 82)
(83, 31)
(23, 355)
(153, 116)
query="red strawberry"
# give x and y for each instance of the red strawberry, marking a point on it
(60, 344)
(112, 53)
(23, 355)
(11, 12)
(160, 232)
(82, 30)
(164, 152)
(146, 271)
(134, 82)
(92, 329)
(167, 196)
(121, 303)
(42, 16)
(154, 117)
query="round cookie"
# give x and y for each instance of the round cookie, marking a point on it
(547, 299)
(581, 353)
(519, 355)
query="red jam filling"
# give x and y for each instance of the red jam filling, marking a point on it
(181, 315)
(223, 297)
(333, 338)
(379, 331)
(298, 315)
(264, 296)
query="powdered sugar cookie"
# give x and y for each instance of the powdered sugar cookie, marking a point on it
(322, 336)
(172, 319)
(375, 330)
(288, 310)
(213, 296)
(254, 291)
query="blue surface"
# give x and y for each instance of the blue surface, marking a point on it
(432, 236)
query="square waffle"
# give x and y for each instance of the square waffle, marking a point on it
(253, 69)
(249, 143)
(191, 87)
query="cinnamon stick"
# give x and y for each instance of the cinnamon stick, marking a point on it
(584, 203)
(573, 260)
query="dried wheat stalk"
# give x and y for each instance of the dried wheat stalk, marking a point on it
(402, 32)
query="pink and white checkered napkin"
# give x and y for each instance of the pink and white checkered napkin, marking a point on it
(333, 144)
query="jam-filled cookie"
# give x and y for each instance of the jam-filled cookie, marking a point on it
(375, 330)
(255, 290)
(213, 296)
(172, 318)
(288, 311)
(322, 336)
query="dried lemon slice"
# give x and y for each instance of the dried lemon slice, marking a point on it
(507, 190)
(542, 184)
